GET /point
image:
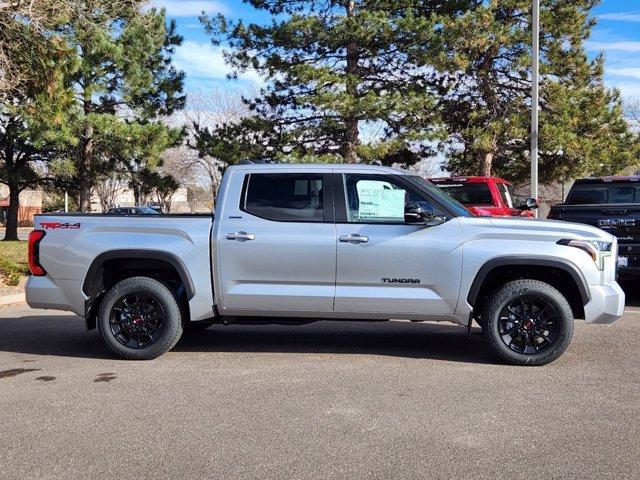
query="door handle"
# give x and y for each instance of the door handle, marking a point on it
(240, 236)
(353, 238)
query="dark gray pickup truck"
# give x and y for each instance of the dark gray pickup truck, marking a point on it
(612, 204)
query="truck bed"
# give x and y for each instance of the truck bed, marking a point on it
(74, 245)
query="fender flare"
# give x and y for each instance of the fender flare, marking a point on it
(138, 254)
(525, 260)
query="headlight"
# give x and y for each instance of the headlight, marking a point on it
(596, 249)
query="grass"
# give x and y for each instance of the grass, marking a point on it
(13, 261)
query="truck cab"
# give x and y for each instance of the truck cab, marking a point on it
(486, 196)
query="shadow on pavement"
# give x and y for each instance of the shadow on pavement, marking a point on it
(65, 336)
(632, 291)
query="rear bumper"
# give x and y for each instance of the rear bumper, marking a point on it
(606, 304)
(55, 294)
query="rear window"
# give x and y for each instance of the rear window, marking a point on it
(603, 194)
(469, 193)
(285, 197)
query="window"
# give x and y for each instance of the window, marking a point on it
(469, 193)
(620, 194)
(285, 197)
(378, 199)
(506, 193)
(588, 194)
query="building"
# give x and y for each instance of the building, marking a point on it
(30, 205)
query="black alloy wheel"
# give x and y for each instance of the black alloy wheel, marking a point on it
(137, 320)
(528, 325)
(140, 318)
(527, 322)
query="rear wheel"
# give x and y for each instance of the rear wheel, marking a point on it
(528, 322)
(139, 319)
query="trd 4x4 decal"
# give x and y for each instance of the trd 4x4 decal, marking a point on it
(59, 226)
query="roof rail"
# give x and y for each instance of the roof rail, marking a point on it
(256, 161)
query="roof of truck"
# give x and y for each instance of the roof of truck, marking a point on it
(611, 179)
(323, 167)
(469, 179)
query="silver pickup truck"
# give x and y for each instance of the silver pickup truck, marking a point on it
(298, 243)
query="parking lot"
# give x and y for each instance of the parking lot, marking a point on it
(326, 400)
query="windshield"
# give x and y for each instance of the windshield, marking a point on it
(603, 194)
(469, 193)
(448, 201)
(147, 211)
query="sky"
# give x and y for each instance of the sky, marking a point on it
(617, 35)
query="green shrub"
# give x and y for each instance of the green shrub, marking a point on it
(13, 279)
(13, 262)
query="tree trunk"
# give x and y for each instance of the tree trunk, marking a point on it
(11, 232)
(352, 139)
(486, 159)
(86, 182)
(136, 194)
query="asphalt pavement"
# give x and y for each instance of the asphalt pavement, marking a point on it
(327, 400)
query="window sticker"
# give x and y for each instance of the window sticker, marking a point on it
(380, 200)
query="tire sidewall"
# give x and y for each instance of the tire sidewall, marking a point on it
(512, 291)
(173, 320)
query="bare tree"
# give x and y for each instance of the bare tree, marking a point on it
(108, 190)
(632, 112)
(210, 109)
(428, 167)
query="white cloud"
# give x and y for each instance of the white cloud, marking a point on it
(627, 89)
(623, 46)
(205, 62)
(190, 8)
(630, 72)
(621, 17)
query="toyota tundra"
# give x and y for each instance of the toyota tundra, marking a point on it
(298, 243)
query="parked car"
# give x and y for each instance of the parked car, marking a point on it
(132, 211)
(612, 204)
(486, 196)
(298, 243)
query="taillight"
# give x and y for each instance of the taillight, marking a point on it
(34, 253)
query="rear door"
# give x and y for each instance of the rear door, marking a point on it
(388, 267)
(277, 244)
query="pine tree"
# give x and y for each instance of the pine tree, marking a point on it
(334, 69)
(33, 116)
(124, 82)
(483, 57)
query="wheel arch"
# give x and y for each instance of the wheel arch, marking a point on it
(573, 280)
(136, 260)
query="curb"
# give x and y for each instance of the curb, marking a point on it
(7, 300)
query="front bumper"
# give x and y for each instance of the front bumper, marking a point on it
(606, 304)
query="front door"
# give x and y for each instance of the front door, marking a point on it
(384, 265)
(277, 248)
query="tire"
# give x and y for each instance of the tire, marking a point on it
(139, 319)
(528, 322)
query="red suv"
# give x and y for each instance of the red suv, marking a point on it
(486, 196)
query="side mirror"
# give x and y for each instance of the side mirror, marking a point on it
(529, 204)
(414, 213)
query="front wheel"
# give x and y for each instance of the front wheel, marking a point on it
(528, 322)
(140, 319)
